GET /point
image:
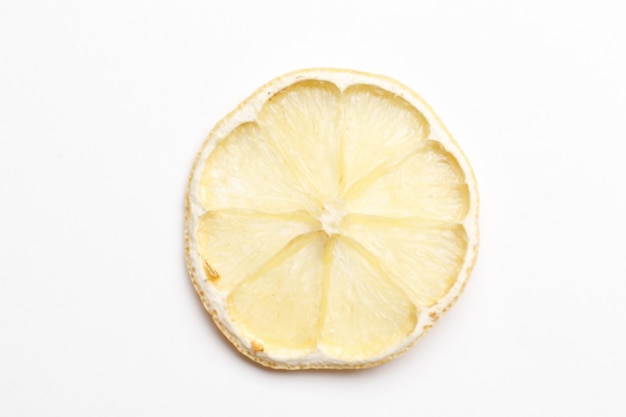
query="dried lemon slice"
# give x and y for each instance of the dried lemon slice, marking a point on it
(330, 220)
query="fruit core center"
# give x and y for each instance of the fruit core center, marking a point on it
(332, 216)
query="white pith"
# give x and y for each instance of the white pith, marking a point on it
(332, 216)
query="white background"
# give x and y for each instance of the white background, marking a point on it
(103, 106)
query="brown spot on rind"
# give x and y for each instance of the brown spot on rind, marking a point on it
(256, 346)
(433, 315)
(210, 273)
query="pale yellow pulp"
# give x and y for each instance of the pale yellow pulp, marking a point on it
(331, 221)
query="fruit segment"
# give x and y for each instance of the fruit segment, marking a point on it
(302, 122)
(365, 313)
(244, 172)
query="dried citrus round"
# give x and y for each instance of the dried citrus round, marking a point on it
(330, 220)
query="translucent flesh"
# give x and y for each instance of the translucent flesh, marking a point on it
(331, 221)
(244, 172)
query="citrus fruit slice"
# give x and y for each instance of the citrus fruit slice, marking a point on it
(330, 220)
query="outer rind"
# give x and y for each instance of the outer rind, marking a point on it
(247, 111)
